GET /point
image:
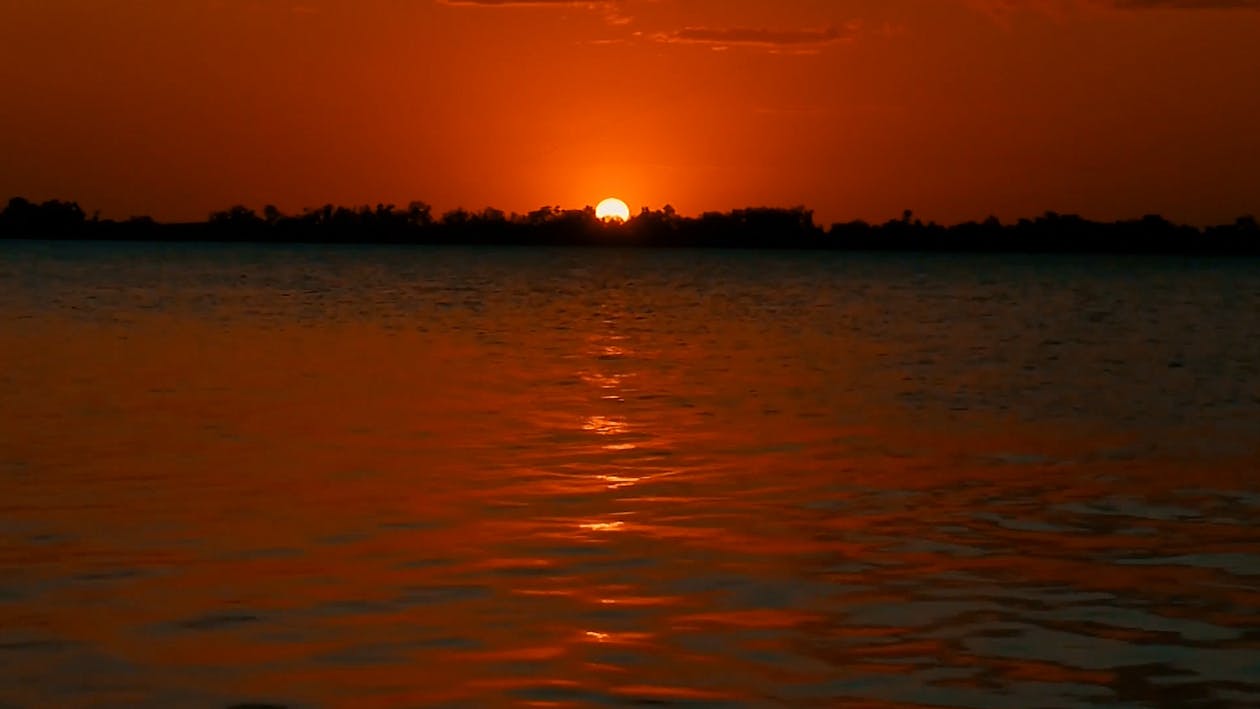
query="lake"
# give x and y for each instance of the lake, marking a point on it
(381, 477)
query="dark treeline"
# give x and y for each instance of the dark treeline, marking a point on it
(760, 227)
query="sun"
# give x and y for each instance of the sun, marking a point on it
(613, 209)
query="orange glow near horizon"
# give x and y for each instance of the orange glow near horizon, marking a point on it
(956, 109)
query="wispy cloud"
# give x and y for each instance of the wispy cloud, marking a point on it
(1187, 4)
(592, 4)
(775, 40)
(613, 10)
(1061, 7)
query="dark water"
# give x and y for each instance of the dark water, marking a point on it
(437, 477)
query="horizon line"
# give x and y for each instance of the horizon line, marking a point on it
(905, 217)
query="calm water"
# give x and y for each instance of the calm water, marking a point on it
(438, 477)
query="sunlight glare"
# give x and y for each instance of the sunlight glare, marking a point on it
(613, 209)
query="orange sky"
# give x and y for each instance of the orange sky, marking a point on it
(856, 108)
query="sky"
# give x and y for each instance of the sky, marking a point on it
(858, 109)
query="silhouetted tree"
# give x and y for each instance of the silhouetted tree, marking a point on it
(237, 223)
(272, 215)
(456, 217)
(236, 216)
(419, 215)
(752, 227)
(51, 219)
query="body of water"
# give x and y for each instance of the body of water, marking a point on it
(379, 477)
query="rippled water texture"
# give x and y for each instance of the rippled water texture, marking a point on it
(440, 477)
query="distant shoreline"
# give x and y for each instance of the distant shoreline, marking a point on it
(751, 228)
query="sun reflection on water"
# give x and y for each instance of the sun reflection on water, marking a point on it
(616, 482)
(603, 526)
(605, 381)
(605, 426)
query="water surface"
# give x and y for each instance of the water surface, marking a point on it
(311, 476)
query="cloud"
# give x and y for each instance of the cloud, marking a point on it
(777, 40)
(612, 9)
(592, 4)
(1187, 4)
(1061, 7)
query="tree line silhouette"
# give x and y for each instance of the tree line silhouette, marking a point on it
(754, 227)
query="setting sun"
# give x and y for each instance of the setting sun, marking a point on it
(613, 209)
